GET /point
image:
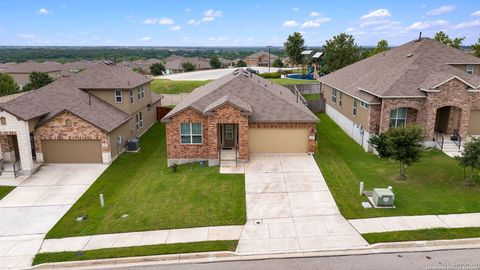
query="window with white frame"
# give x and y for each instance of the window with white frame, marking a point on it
(340, 99)
(354, 107)
(141, 92)
(118, 96)
(470, 69)
(191, 133)
(334, 95)
(139, 120)
(398, 117)
(132, 97)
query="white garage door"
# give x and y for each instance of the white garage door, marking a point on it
(277, 140)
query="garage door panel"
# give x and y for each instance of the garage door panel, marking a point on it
(72, 151)
(474, 123)
(277, 140)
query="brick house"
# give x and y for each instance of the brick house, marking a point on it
(260, 59)
(239, 112)
(85, 118)
(422, 81)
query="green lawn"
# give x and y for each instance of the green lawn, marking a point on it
(311, 96)
(286, 81)
(163, 86)
(4, 190)
(135, 251)
(426, 234)
(435, 184)
(154, 197)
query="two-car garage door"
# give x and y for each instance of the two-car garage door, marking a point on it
(72, 151)
(277, 140)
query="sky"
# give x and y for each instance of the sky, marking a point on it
(230, 23)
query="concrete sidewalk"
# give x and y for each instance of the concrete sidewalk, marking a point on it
(407, 223)
(118, 240)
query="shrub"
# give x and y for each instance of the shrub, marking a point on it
(379, 142)
(271, 75)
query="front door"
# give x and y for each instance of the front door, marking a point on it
(229, 135)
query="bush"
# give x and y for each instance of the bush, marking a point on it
(277, 63)
(379, 142)
(271, 75)
(157, 69)
(187, 66)
(241, 63)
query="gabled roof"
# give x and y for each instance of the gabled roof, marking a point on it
(29, 67)
(403, 71)
(265, 101)
(260, 54)
(105, 76)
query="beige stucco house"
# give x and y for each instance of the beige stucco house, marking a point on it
(422, 81)
(21, 72)
(85, 118)
(239, 112)
(260, 59)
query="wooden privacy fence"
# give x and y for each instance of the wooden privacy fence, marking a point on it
(313, 88)
(162, 111)
(317, 105)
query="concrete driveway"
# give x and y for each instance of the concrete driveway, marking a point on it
(32, 209)
(290, 208)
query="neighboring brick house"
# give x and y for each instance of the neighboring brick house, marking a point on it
(422, 81)
(260, 59)
(242, 112)
(85, 118)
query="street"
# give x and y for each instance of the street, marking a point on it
(438, 260)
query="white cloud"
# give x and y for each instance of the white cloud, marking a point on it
(145, 39)
(441, 10)
(43, 11)
(376, 14)
(194, 22)
(165, 21)
(208, 19)
(476, 13)
(290, 23)
(162, 21)
(350, 29)
(427, 25)
(29, 36)
(314, 23)
(150, 21)
(374, 22)
(470, 24)
(295, 9)
(175, 28)
(314, 14)
(213, 13)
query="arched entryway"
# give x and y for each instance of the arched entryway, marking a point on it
(448, 119)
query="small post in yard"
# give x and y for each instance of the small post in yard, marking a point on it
(269, 46)
(102, 201)
(361, 188)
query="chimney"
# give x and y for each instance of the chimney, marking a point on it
(420, 36)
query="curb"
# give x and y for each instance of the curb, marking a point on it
(224, 256)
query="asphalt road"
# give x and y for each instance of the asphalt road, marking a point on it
(438, 260)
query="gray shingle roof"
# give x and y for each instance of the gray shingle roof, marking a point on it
(29, 67)
(270, 103)
(402, 71)
(260, 54)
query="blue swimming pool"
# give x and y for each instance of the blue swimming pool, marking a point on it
(300, 76)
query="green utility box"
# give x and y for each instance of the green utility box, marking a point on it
(383, 197)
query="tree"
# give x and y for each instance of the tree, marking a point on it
(382, 46)
(277, 63)
(215, 62)
(7, 85)
(157, 69)
(187, 66)
(294, 46)
(37, 80)
(137, 69)
(476, 48)
(241, 63)
(471, 158)
(445, 39)
(404, 144)
(339, 52)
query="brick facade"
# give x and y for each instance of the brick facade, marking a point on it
(77, 129)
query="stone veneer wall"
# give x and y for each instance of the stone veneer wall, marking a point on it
(392, 103)
(310, 126)
(56, 129)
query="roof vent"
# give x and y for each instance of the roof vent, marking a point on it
(409, 55)
(419, 37)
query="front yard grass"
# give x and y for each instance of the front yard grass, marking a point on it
(4, 190)
(286, 81)
(163, 86)
(135, 251)
(426, 234)
(154, 197)
(435, 184)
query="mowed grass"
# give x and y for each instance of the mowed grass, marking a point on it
(435, 184)
(163, 86)
(154, 197)
(426, 234)
(135, 251)
(4, 190)
(311, 96)
(286, 81)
